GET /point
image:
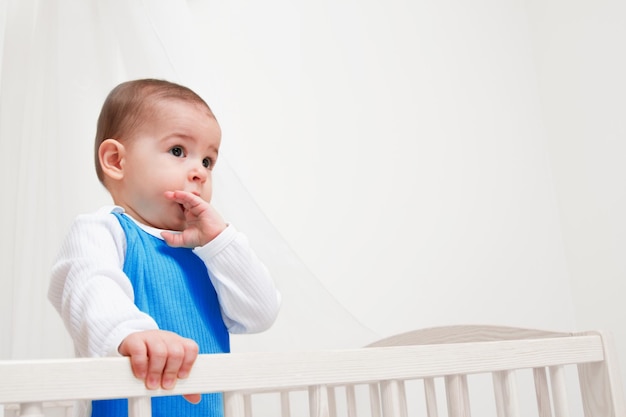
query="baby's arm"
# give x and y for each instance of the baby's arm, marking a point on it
(95, 300)
(248, 298)
(90, 290)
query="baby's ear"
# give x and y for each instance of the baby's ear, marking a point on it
(111, 154)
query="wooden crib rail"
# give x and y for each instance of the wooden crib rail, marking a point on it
(240, 374)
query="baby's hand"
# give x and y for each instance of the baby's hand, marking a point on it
(160, 357)
(203, 222)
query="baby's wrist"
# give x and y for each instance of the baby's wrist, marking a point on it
(215, 245)
(215, 232)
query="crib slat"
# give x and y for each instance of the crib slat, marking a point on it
(234, 404)
(247, 405)
(559, 393)
(542, 392)
(332, 402)
(69, 410)
(285, 404)
(318, 401)
(430, 394)
(505, 390)
(374, 400)
(600, 382)
(393, 398)
(351, 401)
(140, 407)
(5, 411)
(457, 396)
(34, 409)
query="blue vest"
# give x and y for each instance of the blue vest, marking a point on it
(171, 285)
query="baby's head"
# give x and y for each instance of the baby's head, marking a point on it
(131, 104)
(156, 137)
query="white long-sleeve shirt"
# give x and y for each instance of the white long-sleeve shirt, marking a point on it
(95, 298)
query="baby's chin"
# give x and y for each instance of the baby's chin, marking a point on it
(174, 225)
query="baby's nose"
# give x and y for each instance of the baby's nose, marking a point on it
(198, 173)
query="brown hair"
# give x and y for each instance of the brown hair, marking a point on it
(129, 104)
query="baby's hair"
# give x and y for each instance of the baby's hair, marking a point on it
(129, 104)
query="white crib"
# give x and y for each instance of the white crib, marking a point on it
(427, 372)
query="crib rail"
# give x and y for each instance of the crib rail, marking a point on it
(240, 374)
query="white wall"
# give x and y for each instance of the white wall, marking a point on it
(399, 148)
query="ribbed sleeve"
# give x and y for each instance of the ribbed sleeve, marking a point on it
(248, 297)
(89, 289)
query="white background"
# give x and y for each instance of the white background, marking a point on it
(425, 163)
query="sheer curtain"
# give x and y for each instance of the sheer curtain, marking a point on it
(58, 61)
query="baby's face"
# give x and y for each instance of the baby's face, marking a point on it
(174, 150)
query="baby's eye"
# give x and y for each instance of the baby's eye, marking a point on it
(207, 163)
(177, 151)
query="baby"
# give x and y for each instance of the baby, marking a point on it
(159, 276)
